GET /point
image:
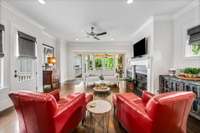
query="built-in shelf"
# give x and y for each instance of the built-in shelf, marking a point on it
(172, 83)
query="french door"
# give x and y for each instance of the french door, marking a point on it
(22, 70)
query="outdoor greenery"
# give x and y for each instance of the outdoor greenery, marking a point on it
(108, 63)
(190, 70)
(129, 79)
(196, 49)
(105, 62)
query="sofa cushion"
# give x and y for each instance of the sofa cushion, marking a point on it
(146, 96)
(56, 94)
(130, 97)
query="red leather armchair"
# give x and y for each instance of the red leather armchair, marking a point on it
(164, 113)
(48, 113)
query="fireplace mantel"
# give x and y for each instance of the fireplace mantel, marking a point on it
(141, 61)
(144, 61)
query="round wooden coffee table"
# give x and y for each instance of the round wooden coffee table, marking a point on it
(100, 108)
(102, 91)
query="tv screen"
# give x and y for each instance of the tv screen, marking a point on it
(140, 48)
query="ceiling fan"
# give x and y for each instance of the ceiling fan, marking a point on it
(95, 35)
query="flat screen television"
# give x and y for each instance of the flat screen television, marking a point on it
(140, 48)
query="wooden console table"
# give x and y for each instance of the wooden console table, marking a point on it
(171, 83)
(50, 82)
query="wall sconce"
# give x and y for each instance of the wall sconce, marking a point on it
(51, 60)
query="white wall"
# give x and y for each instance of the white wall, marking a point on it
(145, 31)
(183, 20)
(104, 47)
(168, 37)
(13, 19)
(62, 60)
(162, 51)
(159, 59)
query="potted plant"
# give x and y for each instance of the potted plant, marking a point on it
(130, 83)
(190, 72)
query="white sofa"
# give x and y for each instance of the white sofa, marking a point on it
(92, 77)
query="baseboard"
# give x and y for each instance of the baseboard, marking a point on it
(7, 110)
(67, 81)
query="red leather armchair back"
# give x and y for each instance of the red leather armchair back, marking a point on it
(170, 111)
(35, 111)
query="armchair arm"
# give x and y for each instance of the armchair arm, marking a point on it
(67, 109)
(138, 119)
(56, 94)
(146, 96)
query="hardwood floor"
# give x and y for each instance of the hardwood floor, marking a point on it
(9, 122)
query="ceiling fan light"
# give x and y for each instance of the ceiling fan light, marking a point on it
(42, 2)
(129, 1)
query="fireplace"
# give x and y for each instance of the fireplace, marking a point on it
(140, 79)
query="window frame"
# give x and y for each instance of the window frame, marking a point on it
(2, 63)
(188, 50)
(24, 76)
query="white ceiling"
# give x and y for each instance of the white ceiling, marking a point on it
(70, 19)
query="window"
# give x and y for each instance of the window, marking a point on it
(1, 40)
(25, 65)
(104, 62)
(193, 45)
(98, 63)
(26, 56)
(2, 29)
(90, 62)
(109, 63)
(192, 50)
(196, 49)
(26, 45)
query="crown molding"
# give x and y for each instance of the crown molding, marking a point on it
(109, 43)
(193, 4)
(150, 20)
(49, 35)
(15, 11)
(163, 17)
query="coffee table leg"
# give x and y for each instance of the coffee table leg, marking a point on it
(91, 123)
(104, 122)
(107, 122)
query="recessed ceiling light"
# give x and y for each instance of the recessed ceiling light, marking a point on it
(42, 2)
(129, 1)
(77, 39)
(112, 39)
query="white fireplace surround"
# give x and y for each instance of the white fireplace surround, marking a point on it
(144, 61)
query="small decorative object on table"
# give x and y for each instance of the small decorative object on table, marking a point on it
(101, 89)
(101, 77)
(172, 71)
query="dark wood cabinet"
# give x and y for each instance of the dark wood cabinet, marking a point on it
(171, 83)
(50, 81)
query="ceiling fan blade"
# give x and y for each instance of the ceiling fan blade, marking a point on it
(96, 38)
(88, 33)
(101, 34)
